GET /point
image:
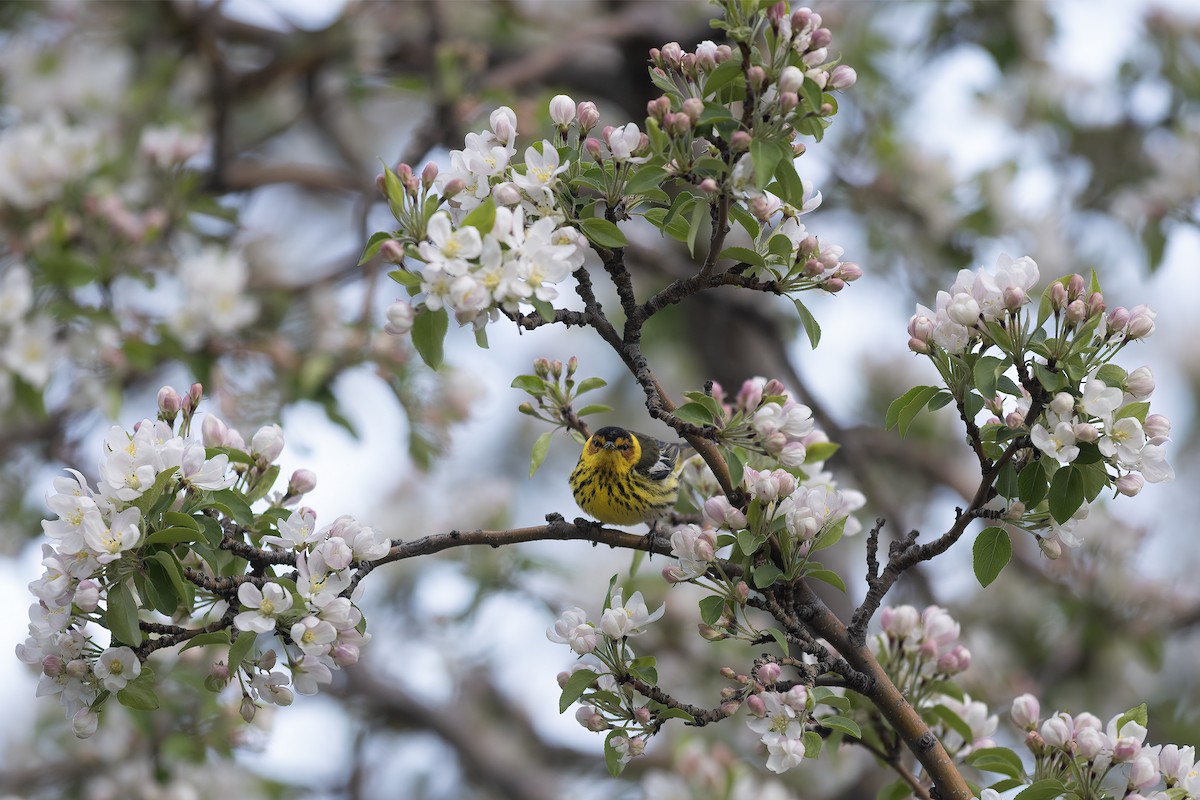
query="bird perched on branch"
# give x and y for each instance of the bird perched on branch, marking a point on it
(624, 477)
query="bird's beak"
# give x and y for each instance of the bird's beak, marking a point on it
(610, 445)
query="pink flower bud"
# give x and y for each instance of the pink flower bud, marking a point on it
(729, 709)
(400, 316)
(1118, 318)
(918, 345)
(1086, 432)
(1014, 297)
(588, 115)
(709, 186)
(739, 142)
(429, 174)
(1095, 303)
(791, 79)
(52, 666)
(1025, 711)
(671, 54)
(1126, 749)
(220, 671)
(642, 714)
(247, 709)
(1014, 419)
(756, 706)
(800, 19)
(677, 123)
(1058, 295)
(693, 107)
(833, 285)
(768, 673)
(688, 63)
(921, 327)
(392, 252)
(1077, 311)
(788, 101)
(1062, 404)
(742, 592)
(1141, 322)
(710, 634)
(169, 403)
(562, 110)
(776, 12)
(506, 194)
(659, 107)
(594, 148)
(77, 668)
(1130, 484)
(842, 77)
(453, 187)
(1035, 742)
(1075, 286)
(849, 271)
(87, 595)
(821, 37)
(1056, 731)
(727, 673)
(1140, 383)
(267, 443)
(1157, 427)
(213, 432)
(756, 76)
(344, 654)
(1089, 743)
(84, 722)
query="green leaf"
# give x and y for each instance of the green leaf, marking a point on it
(233, 506)
(588, 384)
(482, 217)
(843, 724)
(429, 333)
(826, 576)
(1136, 410)
(735, 457)
(950, 719)
(1136, 714)
(481, 340)
(647, 177)
(765, 575)
(1047, 789)
(174, 536)
(711, 608)
(176, 519)
(409, 280)
(576, 685)
(373, 244)
(694, 413)
(1066, 493)
(986, 370)
(779, 638)
(157, 591)
(139, 693)
(765, 154)
(744, 255)
(149, 497)
(612, 759)
(997, 759)
(724, 74)
(594, 408)
(1112, 375)
(790, 186)
(818, 452)
(741, 216)
(811, 327)
(540, 448)
(1032, 484)
(824, 696)
(121, 616)
(917, 396)
(828, 535)
(992, 551)
(811, 93)
(674, 713)
(812, 744)
(1051, 380)
(896, 790)
(240, 649)
(602, 233)
(530, 384)
(1006, 481)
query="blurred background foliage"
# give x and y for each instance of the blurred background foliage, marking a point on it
(185, 189)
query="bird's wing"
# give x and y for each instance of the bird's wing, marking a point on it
(658, 458)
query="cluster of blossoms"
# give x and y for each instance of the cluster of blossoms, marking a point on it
(608, 702)
(478, 266)
(27, 338)
(1093, 418)
(215, 301)
(920, 650)
(1094, 759)
(779, 718)
(763, 427)
(110, 545)
(39, 159)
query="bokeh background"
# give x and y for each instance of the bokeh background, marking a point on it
(189, 187)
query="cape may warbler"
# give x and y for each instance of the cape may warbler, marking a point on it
(624, 477)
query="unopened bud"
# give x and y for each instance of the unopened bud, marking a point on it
(1130, 484)
(849, 271)
(1014, 297)
(821, 37)
(834, 285)
(594, 148)
(506, 194)
(1075, 286)
(711, 634)
(267, 660)
(219, 671)
(588, 115)
(562, 678)
(693, 107)
(659, 107)
(756, 76)
(87, 595)
(392, 252)
(429, 174)
(1157, 427)
(727, 673)
(267, 443)
(740, 141)
(453, 187)
(1035, 742)
(169, 403)
(562, 110)
(642, 714)
(302, 481)
(756, 706)
(729, 709)
(1086, 432)
(1058, 296)
(768, 673)
(1050, 548)
(247, 709)
(213, 431)
(788, 101)
(709, 186)
(842, 77)
(1140, 383)
(52, 666)
(677, 123)
(1095, 304)
(918, 345)
(1014, 419)
(1118, 318)
(741, 592)
(800, 19)
(84, 722)
(1077, 311)
(791, 79)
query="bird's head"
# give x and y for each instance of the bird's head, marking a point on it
(614, 445)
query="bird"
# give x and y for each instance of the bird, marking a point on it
(624, 477)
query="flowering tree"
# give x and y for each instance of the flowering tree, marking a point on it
(184, 544)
